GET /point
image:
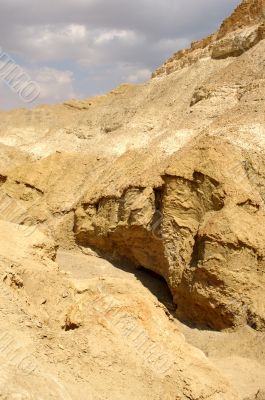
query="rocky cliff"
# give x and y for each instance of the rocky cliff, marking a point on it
(237, 34)
(168, 176)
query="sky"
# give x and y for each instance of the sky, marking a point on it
(82, 48)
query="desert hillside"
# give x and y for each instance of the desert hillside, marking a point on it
(132, 240)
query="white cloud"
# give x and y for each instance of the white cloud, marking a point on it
(139, 75)
(52, 34)
(76, 32)
(123, 35)
(47, 43)
(51, 42)
(54, 84)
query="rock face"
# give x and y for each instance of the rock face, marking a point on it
(98, 323)
(168, 175)
(199, 230)
(182, 195)
(237, 34)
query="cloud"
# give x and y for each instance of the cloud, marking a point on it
(87, 46)
(54, 83)
(115, 34)
(139, 75)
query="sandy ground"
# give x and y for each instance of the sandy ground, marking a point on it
(239, 355)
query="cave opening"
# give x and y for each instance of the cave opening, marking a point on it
(158, 286)
(153, 282)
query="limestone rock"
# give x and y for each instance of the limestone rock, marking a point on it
(119, 324)
(168, 176)
(237, 34)
(237, 42)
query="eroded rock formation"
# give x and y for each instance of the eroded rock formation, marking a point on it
(237, 34)
(168, 175)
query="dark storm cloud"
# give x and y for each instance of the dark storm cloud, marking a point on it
(81, 37)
